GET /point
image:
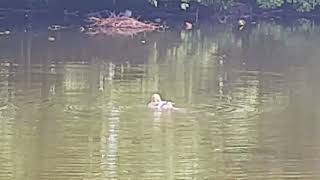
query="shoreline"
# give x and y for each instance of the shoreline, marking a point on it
(23, 18)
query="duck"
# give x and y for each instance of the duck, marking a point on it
(158, 104)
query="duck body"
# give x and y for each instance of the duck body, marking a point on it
(165, 105)
(157, 104)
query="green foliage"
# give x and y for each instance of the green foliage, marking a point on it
(305, 5)
(299, 5)
(36, 3)
(220, 5)
(270, 4)
(224, 4)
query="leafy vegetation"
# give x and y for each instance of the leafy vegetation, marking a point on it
(270, 4)
(298, 5)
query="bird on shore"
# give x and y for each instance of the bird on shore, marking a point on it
(241, 23)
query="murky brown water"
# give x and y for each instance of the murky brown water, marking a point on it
(76, 108)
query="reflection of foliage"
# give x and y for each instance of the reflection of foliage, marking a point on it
(280, 32)
(76, 79)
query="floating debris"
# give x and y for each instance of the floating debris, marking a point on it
(120, 25)
(157, 20)
(7, 32)
(222, 59)
(126, 13)
(6, 63)
(188, 25)
(70, 13)
(51, 38)
(56, 27)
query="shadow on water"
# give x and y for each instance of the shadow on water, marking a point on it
(75, 108)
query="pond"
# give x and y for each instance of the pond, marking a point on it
(75, 107)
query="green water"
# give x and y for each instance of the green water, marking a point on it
(76, 108)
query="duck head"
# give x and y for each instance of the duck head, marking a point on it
(155, 98)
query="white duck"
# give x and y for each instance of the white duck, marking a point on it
(157, 103)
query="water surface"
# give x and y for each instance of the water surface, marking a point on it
(75, 108)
